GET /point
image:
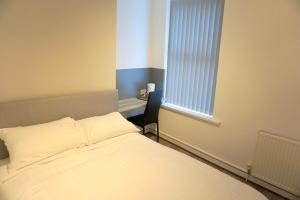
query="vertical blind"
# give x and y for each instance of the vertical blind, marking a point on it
(193, 52)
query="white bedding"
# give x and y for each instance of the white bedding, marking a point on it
(129, 167)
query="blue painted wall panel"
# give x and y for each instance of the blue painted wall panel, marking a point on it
(131, 81)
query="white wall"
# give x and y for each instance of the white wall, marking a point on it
(157, 36)
(133, 33)
(140, 34)
(258, 84)
(55, 47)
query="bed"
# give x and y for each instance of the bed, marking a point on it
(126, 166)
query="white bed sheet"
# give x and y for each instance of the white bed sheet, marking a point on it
(128, 167)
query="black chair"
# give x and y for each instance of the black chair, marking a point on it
(151, 112)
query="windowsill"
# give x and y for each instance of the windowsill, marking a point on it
(195, 115)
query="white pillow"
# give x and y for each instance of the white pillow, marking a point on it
(30, 144)
(100, 128)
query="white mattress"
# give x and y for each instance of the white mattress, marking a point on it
(129, 167)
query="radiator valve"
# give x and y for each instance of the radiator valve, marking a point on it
(248, 171)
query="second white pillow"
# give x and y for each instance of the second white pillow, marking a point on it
(100, 128)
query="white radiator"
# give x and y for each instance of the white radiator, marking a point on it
(277, 161)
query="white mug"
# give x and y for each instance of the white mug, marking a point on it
(150, 87)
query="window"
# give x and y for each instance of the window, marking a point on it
(193, 51)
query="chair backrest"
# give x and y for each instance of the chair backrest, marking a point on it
(152, 107)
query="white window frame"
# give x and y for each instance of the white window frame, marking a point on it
(211, 119)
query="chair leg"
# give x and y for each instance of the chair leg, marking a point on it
(157, 136)
(143, 130)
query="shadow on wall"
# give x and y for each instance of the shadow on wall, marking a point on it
(131, 81)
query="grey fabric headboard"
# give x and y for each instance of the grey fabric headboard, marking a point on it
(36, 111)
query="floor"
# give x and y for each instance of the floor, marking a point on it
(269, 194)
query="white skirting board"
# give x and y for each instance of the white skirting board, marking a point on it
(224, 164)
